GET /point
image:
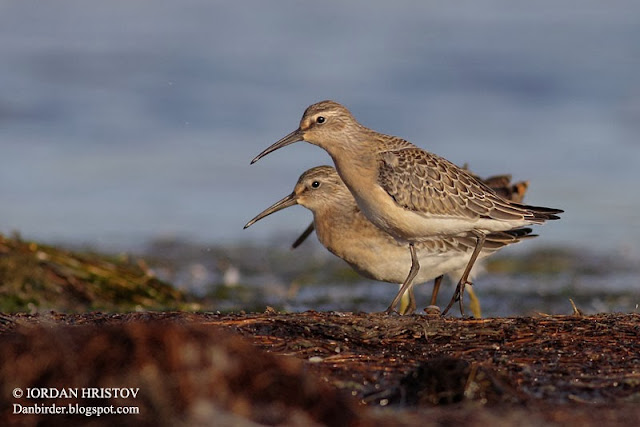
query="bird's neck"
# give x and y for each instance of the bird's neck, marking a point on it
(353, 153)
(335, 222)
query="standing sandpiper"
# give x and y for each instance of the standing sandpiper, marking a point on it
(409, 192)
(501, 184)
(347, 233)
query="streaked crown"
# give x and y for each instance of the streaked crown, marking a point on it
(324, 121)
(320, 185)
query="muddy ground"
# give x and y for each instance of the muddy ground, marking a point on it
(326, 368)
(275, 368)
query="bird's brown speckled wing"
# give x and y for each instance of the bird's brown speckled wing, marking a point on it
(432, 186)
(494, 241)
(392, 143)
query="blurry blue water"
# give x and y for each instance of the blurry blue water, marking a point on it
(127, 120)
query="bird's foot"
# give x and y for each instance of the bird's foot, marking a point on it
(391, 312)
(432, 310)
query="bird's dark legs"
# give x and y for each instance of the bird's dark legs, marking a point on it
(458, 294)
(415, 267)
(436, 289)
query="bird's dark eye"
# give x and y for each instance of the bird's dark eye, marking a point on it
(320, 120)
(315, 184)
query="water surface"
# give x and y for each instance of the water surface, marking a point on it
(123, 121)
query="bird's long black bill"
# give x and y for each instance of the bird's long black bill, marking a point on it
(306, 233)
(290, 200)
(294, 136)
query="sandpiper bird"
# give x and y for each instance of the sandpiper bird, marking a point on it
(501, 184)
(347, 233)
(409, 192)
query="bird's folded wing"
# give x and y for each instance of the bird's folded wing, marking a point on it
(432, 186)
